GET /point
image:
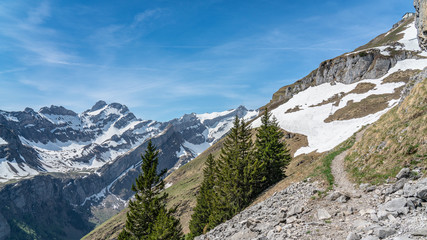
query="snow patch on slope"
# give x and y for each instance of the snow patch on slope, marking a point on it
(3, 142)
(209, 116)
(309, 120)
(13, 170)
(410, 38)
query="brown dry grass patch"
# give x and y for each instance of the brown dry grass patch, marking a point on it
(400, 76)
(371, 104)
(362, 88)
(295, 109)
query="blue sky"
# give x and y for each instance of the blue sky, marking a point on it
(165, 58)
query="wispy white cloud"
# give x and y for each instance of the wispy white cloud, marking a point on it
(37, 15)
(12, 70)
(146, 15)
(117, 35)
(36, 41)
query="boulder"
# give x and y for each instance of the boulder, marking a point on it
(404, 173)
(402, 238)
(382, 214)
(395, 187)
(422, 194)
(396, 205)
(334, 196)
(353, 236)
(383, 232)
(244, 234)
(295, 210)
(343, 199)
(323, 214)
(420, 232)
(370, 238)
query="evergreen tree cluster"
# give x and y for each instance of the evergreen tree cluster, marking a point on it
(148, 218)
(242, 171)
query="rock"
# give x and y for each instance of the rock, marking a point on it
(333, 196)
(291, 219)
(343, 199)
(366, 211)
(404, 173)
(323, 214)
(420, 232)
(245, 234)
(348, 211)
(374, 217)
(370, 238)
(382, 215)
(353, 236)
(383, 232)
(402, 238)
(391, 218)
(396, 205)
(360, 224)
(295, 210)
(422, 194)
(250, 223)
(395, 187)
(370, 189)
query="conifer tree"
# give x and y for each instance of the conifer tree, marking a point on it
(233, 190)
(200, 218)
(271, 152)
(148, 217)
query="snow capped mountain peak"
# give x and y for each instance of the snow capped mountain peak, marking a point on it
(98, 105)
(59, 140)
(57, 110)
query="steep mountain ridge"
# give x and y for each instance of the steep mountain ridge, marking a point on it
(90, 159)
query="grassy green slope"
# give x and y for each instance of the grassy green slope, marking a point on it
(398, 139)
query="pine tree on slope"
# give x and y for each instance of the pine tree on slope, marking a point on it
(200, 218)
(234, 189)
(271, 151)
(148, 217)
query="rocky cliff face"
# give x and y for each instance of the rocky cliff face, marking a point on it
(347, 69)
(421, 22)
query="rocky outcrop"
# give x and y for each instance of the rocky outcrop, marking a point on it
(421, 22)
(41, 203)
(348, 68)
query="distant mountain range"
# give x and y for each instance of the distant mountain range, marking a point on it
(91, 158)
(56, 139)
